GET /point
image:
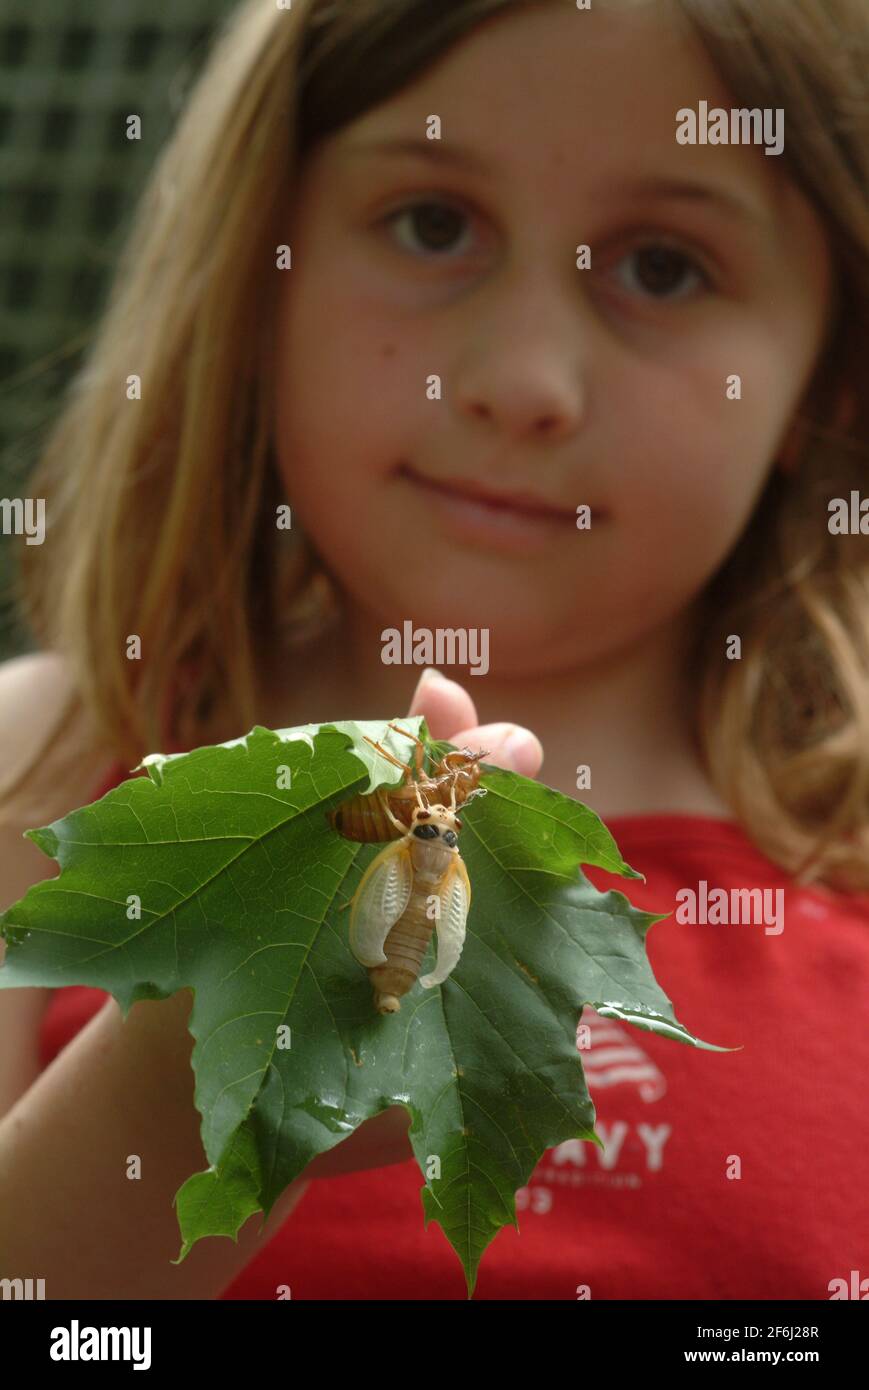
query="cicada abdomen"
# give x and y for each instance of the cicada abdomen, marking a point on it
(366, 818)
(391, 922)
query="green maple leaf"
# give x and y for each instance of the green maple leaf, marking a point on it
(241, 881)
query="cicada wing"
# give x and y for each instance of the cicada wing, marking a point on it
(381, 898)
(455, 896)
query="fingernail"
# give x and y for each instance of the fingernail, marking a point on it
(429, 676)
(523, 749)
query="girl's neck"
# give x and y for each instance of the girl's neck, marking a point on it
(625, 717)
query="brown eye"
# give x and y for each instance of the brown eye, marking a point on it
(423, 815)
(458, 824)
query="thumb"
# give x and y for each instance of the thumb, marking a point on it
(510, 746)
(444, 704)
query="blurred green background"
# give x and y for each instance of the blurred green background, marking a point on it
(69, 180)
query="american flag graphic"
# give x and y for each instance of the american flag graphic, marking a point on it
(615, 1059)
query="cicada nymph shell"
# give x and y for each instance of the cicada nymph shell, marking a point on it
(366, 819)
(391, 922)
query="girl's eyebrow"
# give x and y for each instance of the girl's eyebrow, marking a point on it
(416, 148)
(724, 199)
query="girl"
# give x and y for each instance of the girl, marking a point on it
(443, 280)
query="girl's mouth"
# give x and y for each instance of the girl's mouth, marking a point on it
(502, 526)
(516, 526)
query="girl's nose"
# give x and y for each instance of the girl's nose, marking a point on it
(525, 413)
(525, 365)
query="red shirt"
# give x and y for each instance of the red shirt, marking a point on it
(661, 1214)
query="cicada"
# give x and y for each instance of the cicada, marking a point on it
(418, 883)
(366, 818)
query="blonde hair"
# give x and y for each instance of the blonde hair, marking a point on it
(162, 510)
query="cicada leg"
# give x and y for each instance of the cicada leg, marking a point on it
(406, 768)
(394, 819)
(418, 751)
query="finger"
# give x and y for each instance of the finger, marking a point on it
(510, 746)
(444, 703)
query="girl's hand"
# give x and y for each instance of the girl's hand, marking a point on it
(446, 707)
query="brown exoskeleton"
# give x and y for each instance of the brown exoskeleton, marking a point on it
(387, 814)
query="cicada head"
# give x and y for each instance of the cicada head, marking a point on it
(436, 822)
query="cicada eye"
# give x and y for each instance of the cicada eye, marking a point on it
(458, 823)
(423, 815)
(450, 837)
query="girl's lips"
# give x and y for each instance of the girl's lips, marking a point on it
(520, 503)
(510, 528)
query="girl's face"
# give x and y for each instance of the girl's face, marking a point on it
(605, 386)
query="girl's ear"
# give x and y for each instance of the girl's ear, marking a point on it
(844, 414)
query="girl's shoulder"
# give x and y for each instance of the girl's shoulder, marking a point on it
(35, 693)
